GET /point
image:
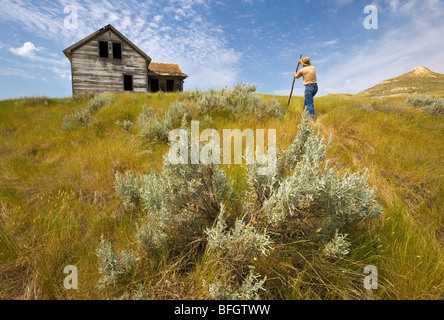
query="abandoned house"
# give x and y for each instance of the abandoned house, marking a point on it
(107, 62)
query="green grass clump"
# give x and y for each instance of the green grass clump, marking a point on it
(35, 101)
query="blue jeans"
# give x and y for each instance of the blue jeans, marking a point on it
(310, 92)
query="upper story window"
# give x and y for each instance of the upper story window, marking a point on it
(103, 49)
(117, 51)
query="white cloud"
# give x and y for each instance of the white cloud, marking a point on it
(63, 74)
(250, 2)
(329, 43)
(157, 18)
(394, 4)
(16, 72)
(343, 2)
(27, 50)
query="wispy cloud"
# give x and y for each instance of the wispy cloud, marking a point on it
(17, 72)
(43, 21)
(250, 2)
(329, 43)
(63, 74)
(343, 2)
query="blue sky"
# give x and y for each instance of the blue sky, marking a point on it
(219, 43)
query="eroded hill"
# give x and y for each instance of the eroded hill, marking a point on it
(418, 81)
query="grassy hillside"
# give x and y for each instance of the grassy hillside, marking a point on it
(58, 198)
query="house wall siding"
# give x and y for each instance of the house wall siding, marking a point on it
(105, 75)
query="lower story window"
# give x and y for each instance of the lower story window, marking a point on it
(127, 83)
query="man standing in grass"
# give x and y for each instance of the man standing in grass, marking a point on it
(308, 72)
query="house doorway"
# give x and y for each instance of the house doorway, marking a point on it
(154, 83)
(170, 85)
(127, 82)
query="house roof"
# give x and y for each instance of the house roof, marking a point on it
(165, 69)
(68, 51)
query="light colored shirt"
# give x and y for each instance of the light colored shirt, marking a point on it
(309, 75)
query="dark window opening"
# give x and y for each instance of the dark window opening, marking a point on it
(127, 83)
(117, 50)
(103, 49)
(154, 85)
(170, 86)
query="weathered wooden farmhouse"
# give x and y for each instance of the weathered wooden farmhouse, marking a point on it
(107, 62)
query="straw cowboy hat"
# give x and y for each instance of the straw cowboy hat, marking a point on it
(305, 61)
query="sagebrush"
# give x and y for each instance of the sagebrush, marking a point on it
(434, 106)
(190, 213)
(84, 117)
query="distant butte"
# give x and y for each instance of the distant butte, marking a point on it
(420, 80)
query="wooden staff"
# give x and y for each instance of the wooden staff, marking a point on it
(294, 78)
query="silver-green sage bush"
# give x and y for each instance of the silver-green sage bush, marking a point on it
(155, 128)
(241, 100)
(84, 117)
(192, 215)
(434, 106)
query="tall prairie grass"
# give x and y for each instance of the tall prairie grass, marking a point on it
(57, 199)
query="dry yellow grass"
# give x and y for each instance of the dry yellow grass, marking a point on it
(57, 198)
